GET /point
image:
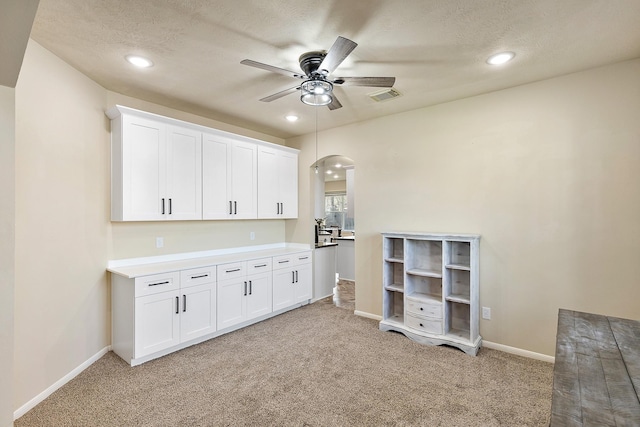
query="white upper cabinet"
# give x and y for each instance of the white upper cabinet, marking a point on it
(166, 169)
(156, 170)
(277, 183)
(230, 178)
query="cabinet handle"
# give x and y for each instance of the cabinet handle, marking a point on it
(281, 208)
(250, 288)
(162, 206)
(177, 305)
(245, 288)
(296, 276)
(184, 303)
(235, 208)
(277, 208)
(169, 206)
(293, 277)
(261, 265)
(283, 262)
(200, 276)
(230, 208)
(304, 257)
(166, 282)
(231, 271)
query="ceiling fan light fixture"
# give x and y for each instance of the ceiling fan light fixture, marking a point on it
(316, 92)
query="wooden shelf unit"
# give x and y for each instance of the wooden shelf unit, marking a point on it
(431, 288)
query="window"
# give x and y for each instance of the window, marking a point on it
(335, 211)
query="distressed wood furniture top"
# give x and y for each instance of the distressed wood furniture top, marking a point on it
(596, 377)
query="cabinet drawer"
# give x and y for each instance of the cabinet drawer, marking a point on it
(422, 308)
(197, 276)
(231, 271)
(303, 258)
(261, 265)
(283, 261)
(148, 285)
(424, 324)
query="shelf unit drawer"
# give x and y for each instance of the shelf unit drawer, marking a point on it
(422, 308)
(197, 276)
(149, 285)
(424, 324)
(232, 270)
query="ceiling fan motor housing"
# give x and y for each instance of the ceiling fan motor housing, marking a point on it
(310, 61)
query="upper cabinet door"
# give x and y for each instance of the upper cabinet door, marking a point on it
(268, 190)
(288, 184)
(229, 178)
(184, 174)
(244, 180)
(277, 183)
(140, 155)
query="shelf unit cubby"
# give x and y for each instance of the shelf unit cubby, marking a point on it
(430, 288)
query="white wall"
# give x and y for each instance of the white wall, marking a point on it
(62, 226)
(548, 173)
(7, 250)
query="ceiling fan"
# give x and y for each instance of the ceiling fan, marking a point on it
(317, 87)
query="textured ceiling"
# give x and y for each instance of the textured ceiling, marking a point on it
(435, 49)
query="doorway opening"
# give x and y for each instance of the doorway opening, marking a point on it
(335, 228)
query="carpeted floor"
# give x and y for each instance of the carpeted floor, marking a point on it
(315, 366)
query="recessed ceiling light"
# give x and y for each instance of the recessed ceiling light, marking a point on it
(500, 58)
(292, 118)
(329, 172)
(138, 61)
(335, 176)
(338, 165)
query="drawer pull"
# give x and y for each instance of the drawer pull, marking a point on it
(304, 257)
(166, 282)
(200, 276)
(283, 262)
(232, 271)
(261, 265)
(421, 325)
(421, 309)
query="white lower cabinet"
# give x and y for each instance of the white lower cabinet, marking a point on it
(292, 280)
(156, 314)
(244, 291)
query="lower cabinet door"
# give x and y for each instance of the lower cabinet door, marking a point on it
(259, 298)
(283, 288)
(230, 304)
(197, 311)
(304, 283)
(157, 322)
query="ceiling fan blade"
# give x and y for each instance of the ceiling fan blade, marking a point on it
(335, 104)
(365, 81)
(339, 51)
(271, 68)
(280, 94)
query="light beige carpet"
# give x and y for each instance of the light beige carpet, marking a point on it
(315, 366)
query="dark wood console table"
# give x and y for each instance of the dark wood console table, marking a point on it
(596, 377)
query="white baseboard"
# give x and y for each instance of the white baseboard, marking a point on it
(55, 386)
(518, 351)
(367, 315)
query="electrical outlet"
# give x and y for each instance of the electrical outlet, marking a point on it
(159, 242)
(486, 313)
(252, 235)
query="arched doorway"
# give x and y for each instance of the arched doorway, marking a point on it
(334, 216)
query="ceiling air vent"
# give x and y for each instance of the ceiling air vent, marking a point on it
(384, 95)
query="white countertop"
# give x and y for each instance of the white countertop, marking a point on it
(136, 267)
